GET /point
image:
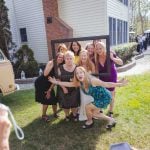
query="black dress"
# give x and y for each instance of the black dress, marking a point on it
(72, 98)
(41, 86)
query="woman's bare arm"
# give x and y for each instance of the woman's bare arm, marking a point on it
(116, 59)
(98, 82)
(48, 68)
(66, 84)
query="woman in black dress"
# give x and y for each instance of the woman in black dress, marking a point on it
(44, 92)
(69, 97)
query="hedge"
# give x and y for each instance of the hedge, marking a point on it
(125, 51)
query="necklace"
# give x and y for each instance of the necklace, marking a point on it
(69, 68)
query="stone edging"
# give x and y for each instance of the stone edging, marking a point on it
(130, 65)
(25, 81)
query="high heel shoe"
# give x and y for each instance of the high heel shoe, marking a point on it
(110, 114)
(86, 126)
(110, 126)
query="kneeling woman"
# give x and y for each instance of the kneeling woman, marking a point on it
(94, 87)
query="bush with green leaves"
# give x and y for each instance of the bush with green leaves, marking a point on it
(126, 51)
(26, 62)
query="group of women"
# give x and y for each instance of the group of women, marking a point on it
(81, 95)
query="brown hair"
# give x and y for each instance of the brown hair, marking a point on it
(78, 45)
(57, 55)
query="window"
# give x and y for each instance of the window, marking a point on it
(125, 2)
(1, 57)
(112, 30)
(126, 31)
(118, 30)
(23, 35)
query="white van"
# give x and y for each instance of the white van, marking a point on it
(7, 81)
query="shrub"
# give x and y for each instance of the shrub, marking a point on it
(26, 62)
(30, 68)
(125, 51)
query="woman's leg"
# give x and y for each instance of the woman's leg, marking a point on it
(67, 114)
(74, 111)
(74, 114)
(89, 112)
(111, 106)
(104, 117)
(44, 110)
(54, 107)
(44, 115)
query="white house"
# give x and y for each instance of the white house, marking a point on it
(37, 22)
(96, 17)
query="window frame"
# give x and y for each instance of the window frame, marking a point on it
(23, 35)
(106, 37)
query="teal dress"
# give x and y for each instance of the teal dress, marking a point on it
(102, 96)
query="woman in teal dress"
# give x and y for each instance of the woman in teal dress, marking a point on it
(97, 89)
(102, 97)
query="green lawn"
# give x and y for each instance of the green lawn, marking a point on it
(131, 112)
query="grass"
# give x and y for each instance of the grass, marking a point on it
(131, 113)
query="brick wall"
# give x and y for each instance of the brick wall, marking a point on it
(56, 28)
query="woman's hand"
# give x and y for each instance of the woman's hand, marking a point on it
(111, 55)
(52, 80)
(123, 82)
(65, 90)
(115, 59)
(5, 126)
(48, 94)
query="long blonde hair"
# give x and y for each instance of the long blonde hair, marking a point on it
(89, 64)
(98, 56)
(86, 81)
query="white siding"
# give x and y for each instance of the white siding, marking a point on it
(13, 23)
(29, 15)
(117, 9)
(86, 17)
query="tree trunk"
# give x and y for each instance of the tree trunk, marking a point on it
(141, 18)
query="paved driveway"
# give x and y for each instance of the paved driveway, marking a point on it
(142, 65)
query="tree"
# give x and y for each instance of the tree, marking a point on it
(138, 15)
(26, 62)
(5, 34)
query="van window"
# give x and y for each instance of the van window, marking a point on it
(1, 57)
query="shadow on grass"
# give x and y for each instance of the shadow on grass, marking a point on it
(58, 135)
(19, 100)
(55, 135)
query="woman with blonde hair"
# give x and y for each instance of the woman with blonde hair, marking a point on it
(85, 61)
(102, 67)
(62, 48)
(88, 65)
(90, 48)
(69, 97)
(96, 88)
